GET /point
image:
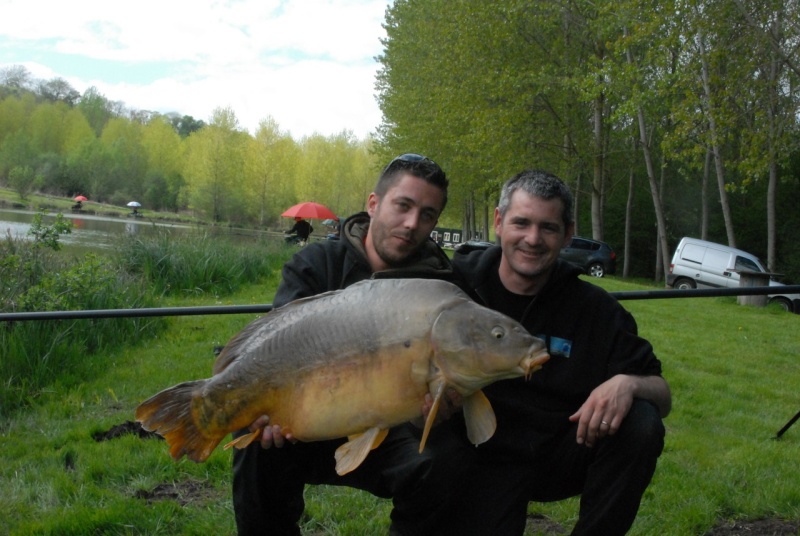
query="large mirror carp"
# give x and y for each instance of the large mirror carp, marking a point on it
(349, 363)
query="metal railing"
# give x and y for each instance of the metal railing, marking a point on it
(264, 308)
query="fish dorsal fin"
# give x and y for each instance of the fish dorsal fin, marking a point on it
(350, 455)
(242, 340)
(437, 398)
(233, 348)
(480, 419)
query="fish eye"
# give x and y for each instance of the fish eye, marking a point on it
(498, 332)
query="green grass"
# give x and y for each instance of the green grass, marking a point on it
(734, 372)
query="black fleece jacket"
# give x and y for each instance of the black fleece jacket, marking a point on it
(337, 264)
(589, 335)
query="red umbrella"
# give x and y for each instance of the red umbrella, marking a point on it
(310, 209)
(80, 198)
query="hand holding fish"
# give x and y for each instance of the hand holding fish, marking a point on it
(452, 404)
(271, 435)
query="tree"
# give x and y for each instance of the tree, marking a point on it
(14, 80)
(185, 125)
(58, 90)
(96, 108)
(21, 178)
(215, 168)
(271, 162)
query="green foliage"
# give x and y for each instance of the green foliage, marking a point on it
(48, 235)
(20, 178)
(39, 353)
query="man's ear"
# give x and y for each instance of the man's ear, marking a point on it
(372, 203)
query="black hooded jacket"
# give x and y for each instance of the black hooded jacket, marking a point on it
(589, 335)
(337, 264)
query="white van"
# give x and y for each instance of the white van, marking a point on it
(699, 263)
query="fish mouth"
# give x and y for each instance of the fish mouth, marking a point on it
(534, 362)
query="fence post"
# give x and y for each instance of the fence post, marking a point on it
(749, 278)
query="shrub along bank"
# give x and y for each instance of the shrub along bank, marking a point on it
(35, 275)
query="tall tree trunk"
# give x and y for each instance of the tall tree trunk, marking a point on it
(628, 210)
(658, 207)
(576, 201)
(772, 185)
(712, 126)
(597, 180)
(704, 195)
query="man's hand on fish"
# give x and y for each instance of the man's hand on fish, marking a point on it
(451, 403)
(270, 434)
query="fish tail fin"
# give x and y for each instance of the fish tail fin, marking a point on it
(169, 413)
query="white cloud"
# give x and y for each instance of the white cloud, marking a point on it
(307, 63)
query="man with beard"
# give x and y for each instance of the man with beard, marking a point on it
(391, 239)
(590, 422)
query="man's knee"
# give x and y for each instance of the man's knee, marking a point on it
(643, 427)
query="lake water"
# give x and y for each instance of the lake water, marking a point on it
(89, 232)
(98, 233)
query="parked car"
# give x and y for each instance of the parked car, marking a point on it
(471, 245)
(699, 263)
(596, 258)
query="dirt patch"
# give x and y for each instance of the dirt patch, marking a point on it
(759, 527)
(539, 524)
(128, 427)
(187, 492)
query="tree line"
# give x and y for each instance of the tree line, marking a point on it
(56, 141)
(668, 118)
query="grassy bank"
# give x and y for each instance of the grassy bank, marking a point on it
(34, 201)
(734, 372)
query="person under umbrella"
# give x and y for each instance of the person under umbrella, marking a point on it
(300, 232)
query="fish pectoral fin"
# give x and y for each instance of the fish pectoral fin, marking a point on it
(243, 441)
(480, 419)
(350, 455)
(437, 398)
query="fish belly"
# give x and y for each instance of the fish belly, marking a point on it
(378, 390)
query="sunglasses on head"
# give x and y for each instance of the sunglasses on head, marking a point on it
(410, 157)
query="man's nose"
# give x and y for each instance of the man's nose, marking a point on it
(411, 220)
(534, 235)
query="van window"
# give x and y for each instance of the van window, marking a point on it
(693, 253)
(717, 259)
(743, 263)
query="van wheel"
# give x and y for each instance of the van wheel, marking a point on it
(685, 284)
(785, 304)
(596, 270)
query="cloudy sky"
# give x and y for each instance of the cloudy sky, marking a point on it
(309, 64)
